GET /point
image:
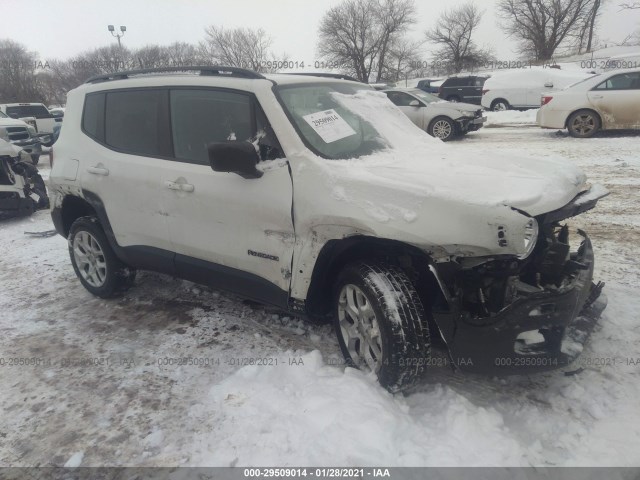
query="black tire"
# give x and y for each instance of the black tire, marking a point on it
(453, 98)
(583, 124)
(35, 158)
(443, 128)
(500, 105)
(117, 277)
(403, 340)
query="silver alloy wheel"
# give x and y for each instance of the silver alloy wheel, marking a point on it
(360, 328)
(442, 129)
(500, 107)
(89, 259)
(583, 124)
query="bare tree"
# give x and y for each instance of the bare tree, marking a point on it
(356, 36)
(238, 47)
(630, 6)
(585, 36)
(18, 82)
(453, 33)
(542, 25)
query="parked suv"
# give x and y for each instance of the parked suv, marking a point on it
(320, 197)
(463, 89)
(44, 120)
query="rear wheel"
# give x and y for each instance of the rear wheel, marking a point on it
(453, 99)
(381, 324)
(500, 105)
(94, 262)
(442, 128)
(583, 124)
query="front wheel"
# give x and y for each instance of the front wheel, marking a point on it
(381, 324)
(583, 124)
(94, 262)
(442, 128)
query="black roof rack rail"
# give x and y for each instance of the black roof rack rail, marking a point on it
(204, 70)
(339, 76)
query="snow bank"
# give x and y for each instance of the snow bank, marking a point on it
(303, 415)
(509, 118)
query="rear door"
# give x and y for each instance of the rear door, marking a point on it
(617, 100)
(225, 228)
(126, 137)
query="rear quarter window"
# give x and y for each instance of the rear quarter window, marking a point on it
(93, 116)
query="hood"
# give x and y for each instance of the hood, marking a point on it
(12, 122)
(532, 185)
(421, 167)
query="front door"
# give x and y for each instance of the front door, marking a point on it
(225, 228)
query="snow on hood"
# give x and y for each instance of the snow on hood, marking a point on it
(419, 164)
(12, 122)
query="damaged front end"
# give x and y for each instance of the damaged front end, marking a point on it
(22, 189)
(510, 315)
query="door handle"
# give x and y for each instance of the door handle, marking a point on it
(183, 187)
(98, 171)
(597, 96)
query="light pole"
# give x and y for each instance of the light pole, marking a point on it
(112, 29)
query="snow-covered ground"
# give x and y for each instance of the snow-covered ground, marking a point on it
(106, 387)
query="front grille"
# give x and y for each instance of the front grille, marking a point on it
(17, 133)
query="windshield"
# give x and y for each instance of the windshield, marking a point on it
(38, 111)
(424, 96)
(329, 127)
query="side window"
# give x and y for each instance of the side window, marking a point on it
(137, 122)
(625, 81)
(200, 117)
(400, 99)
(93, 116)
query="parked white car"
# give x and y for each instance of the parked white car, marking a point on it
(44, 120)
(439, 118)
(320, 197)
(522, 88)
(609, 101)
(21, 135)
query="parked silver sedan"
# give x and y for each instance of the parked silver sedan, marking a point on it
(439, 118)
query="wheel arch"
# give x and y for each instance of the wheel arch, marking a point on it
(74, 207)
(499, 99)
(585, 109)
(336, 254)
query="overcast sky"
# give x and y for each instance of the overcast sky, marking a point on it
(63, 28)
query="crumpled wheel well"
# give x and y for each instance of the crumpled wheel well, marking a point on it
(73, 208)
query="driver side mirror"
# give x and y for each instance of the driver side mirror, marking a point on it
(234, 157)
(415, 103)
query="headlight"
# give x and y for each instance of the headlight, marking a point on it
(467, 113)
(530, 237)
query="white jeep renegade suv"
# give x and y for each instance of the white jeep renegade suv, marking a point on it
(319, 196)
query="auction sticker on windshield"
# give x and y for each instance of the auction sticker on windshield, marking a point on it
(329, 125)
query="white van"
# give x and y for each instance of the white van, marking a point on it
(523, 88)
